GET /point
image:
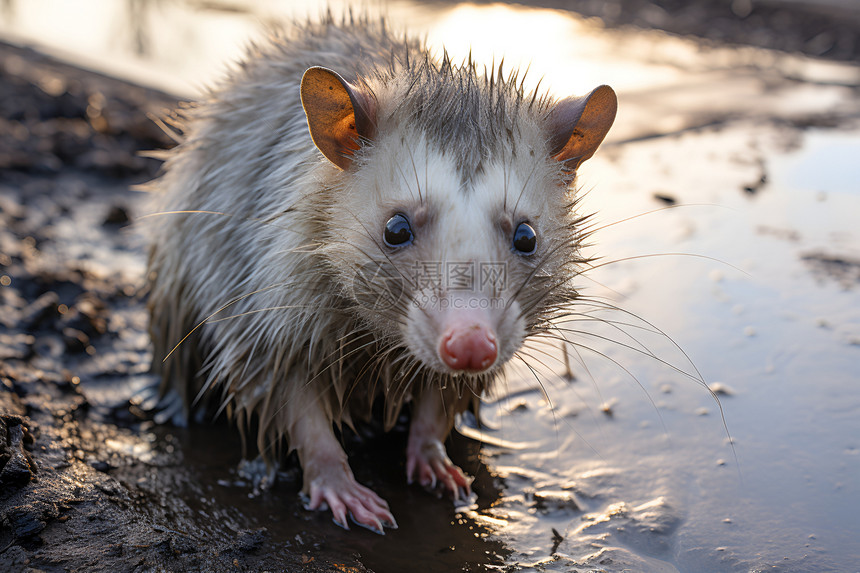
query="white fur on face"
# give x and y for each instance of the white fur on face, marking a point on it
(254, 260)
(461, 262)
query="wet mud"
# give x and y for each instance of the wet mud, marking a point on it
(91, 481)
(88, 480)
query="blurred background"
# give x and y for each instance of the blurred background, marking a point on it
(727, 200)
(182, 44)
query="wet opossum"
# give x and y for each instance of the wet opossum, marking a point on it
(349, 217)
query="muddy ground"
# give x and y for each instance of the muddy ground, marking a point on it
(76, 494)
(88, 480)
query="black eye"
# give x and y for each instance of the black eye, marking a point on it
(525, 240)
(398, 231)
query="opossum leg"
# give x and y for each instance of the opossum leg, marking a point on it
(426, 458)
(328, 479)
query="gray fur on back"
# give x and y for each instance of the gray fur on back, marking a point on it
(249, 206)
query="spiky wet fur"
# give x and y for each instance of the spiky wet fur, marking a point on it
(257, 237)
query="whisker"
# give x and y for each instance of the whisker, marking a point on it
(632, 376)
(658, 210)
(522, 358)
(227, 305)
(653, 255)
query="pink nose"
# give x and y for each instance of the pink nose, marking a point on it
(470, 348)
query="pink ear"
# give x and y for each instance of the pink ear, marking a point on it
(578, 125)
(339, 114)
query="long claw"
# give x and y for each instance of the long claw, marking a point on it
(376, 527)
(349, 501)
(435, 469)
(410, 469)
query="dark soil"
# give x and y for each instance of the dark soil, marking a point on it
(85, 484)
(87, 480)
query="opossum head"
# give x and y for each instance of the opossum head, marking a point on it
(450, 218)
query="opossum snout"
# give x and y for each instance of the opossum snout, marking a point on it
(468, 347)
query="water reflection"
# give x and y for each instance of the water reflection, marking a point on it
(653, 486)
(182, 46)
(177, 46)
(137, 12)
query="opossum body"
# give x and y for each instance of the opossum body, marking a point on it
(346, 217)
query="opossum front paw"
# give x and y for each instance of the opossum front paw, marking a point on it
(346, 497)
(430, 463)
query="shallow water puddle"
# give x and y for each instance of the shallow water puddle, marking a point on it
(751, 278)
(780, 333)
